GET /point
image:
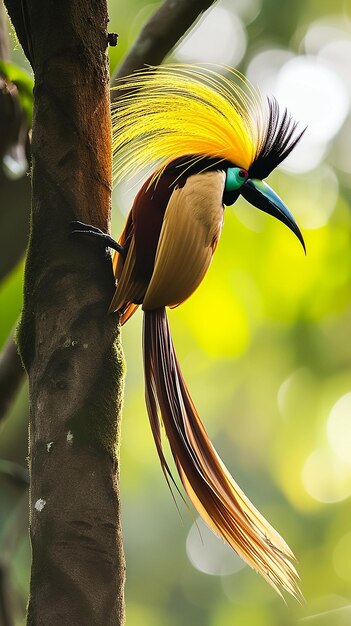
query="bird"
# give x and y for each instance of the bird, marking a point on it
(207, 136)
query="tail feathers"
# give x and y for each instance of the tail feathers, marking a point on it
(211, 489)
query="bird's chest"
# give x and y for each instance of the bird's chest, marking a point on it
(203, 197)
(199, 201)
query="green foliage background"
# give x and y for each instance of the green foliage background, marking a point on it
(265, 348)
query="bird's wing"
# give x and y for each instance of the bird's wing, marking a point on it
(128, 289)
(140, 238)
(124, 240)
(190, 231)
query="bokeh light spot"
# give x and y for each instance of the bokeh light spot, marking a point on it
(339, 428)
(325, 477)
(209, 554)
(323, 31)
(204, 45)
(247, 10)
(307, 155)
(318, 99)
(314, 95)
(337, 54)
(263, 68)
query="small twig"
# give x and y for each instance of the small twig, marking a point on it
(160, 34)
(11, 375)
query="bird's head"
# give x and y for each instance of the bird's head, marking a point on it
(201, 119)
(276, 142)
(259, 194)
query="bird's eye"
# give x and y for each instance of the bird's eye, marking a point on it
(235, 178)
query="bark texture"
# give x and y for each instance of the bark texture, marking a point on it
(69, 345)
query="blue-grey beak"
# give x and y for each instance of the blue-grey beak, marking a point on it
(264, 198)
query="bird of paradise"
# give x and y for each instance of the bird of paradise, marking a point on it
(209, 138)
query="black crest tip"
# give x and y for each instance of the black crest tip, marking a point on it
(279, 138)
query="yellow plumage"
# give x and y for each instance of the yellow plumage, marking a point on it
(176, 110)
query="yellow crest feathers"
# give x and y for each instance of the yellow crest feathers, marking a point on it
(165, 113)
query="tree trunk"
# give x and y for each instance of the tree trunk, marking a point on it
(69, 345)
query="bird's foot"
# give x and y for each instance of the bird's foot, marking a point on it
(79, 228)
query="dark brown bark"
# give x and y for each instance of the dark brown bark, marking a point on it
(161, 33)
(69, 345)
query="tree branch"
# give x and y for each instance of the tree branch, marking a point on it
(69, 345)
(11, 375)
(161, 33)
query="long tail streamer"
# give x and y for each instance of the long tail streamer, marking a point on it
(206, 480)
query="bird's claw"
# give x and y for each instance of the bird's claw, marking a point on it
(79, 228)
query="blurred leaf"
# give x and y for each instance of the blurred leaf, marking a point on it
(15, 472)
(24, 83)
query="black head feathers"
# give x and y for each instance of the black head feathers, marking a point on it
(279, 139)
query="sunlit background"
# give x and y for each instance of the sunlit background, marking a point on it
(264, 344)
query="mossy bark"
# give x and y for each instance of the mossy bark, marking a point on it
(69, 345)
